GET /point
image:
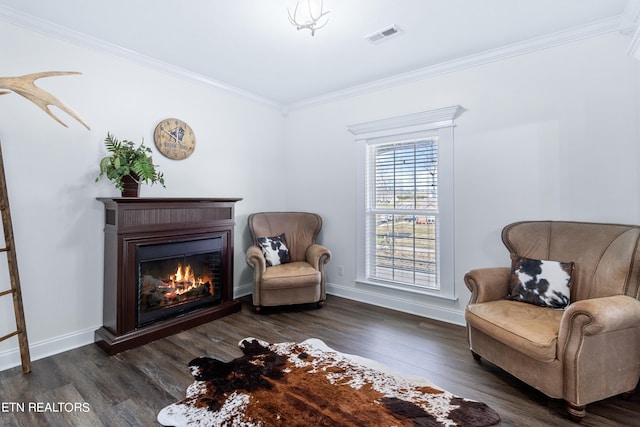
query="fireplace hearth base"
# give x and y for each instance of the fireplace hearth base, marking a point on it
(113, 344)
(134, 223)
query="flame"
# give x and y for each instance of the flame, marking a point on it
(183, 281)
(182, 277)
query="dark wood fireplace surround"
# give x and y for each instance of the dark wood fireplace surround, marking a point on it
(133, 221)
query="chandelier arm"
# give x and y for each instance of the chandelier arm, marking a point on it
(311, 11)
(292, 19)
(313, 18)
(321, 26)
(309, 25)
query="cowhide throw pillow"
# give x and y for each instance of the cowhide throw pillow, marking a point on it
(540, 282)
(274, 249)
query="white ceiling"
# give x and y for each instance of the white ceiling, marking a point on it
(249, 46)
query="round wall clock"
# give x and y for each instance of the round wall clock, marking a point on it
(174, 138)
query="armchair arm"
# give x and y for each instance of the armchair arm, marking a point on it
(317, 256)
(487, 284)
(255, 259)
(599, 335)
(600, 315)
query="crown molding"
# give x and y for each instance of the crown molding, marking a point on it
(47, 28)
(628, 20)
(559, 38)
(634, 46)
(630, 25)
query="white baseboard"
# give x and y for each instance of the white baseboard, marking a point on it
(39, 350)
(455, 317)
(404, 305)
(243, 290)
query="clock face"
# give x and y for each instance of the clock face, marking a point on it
(175, 139)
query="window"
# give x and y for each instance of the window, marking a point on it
(402, 212)
(405, 202)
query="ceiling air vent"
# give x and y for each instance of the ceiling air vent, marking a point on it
(384, 34)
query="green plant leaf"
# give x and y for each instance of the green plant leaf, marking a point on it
(127, 159)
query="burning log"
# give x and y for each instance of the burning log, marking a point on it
(151, 293)
(157, 293)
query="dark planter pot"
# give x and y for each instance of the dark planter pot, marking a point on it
(131, 186)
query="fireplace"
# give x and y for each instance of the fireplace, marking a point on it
(177, 277)
(168, 267)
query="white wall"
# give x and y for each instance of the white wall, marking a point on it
(58, 224)
(551, 134)
(548, 135)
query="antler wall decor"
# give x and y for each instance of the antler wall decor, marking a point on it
(25, 86)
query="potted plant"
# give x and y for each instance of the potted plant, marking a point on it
(128, 165)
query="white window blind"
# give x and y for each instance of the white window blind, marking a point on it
(402, 212)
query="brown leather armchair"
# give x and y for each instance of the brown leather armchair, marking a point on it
(300, 278)
(583, 353)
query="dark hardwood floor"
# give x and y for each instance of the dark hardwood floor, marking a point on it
(130, 388)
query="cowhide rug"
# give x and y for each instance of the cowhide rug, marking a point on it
(309, 384)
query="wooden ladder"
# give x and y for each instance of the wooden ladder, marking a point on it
(21, 327)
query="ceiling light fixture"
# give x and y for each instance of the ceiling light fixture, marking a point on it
(307, 20)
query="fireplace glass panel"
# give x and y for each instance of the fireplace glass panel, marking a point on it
(177, 277)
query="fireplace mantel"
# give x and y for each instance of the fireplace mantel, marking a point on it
(130, 222)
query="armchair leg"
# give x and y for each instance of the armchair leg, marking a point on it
(627, 394)
(576, 413)
(257, 308)
(319, 304)
(476, 356)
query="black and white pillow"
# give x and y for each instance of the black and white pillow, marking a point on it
(274, 249)
(540, 282)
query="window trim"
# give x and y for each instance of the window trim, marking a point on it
(438, 122)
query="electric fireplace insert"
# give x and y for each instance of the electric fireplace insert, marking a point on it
(177, 277)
